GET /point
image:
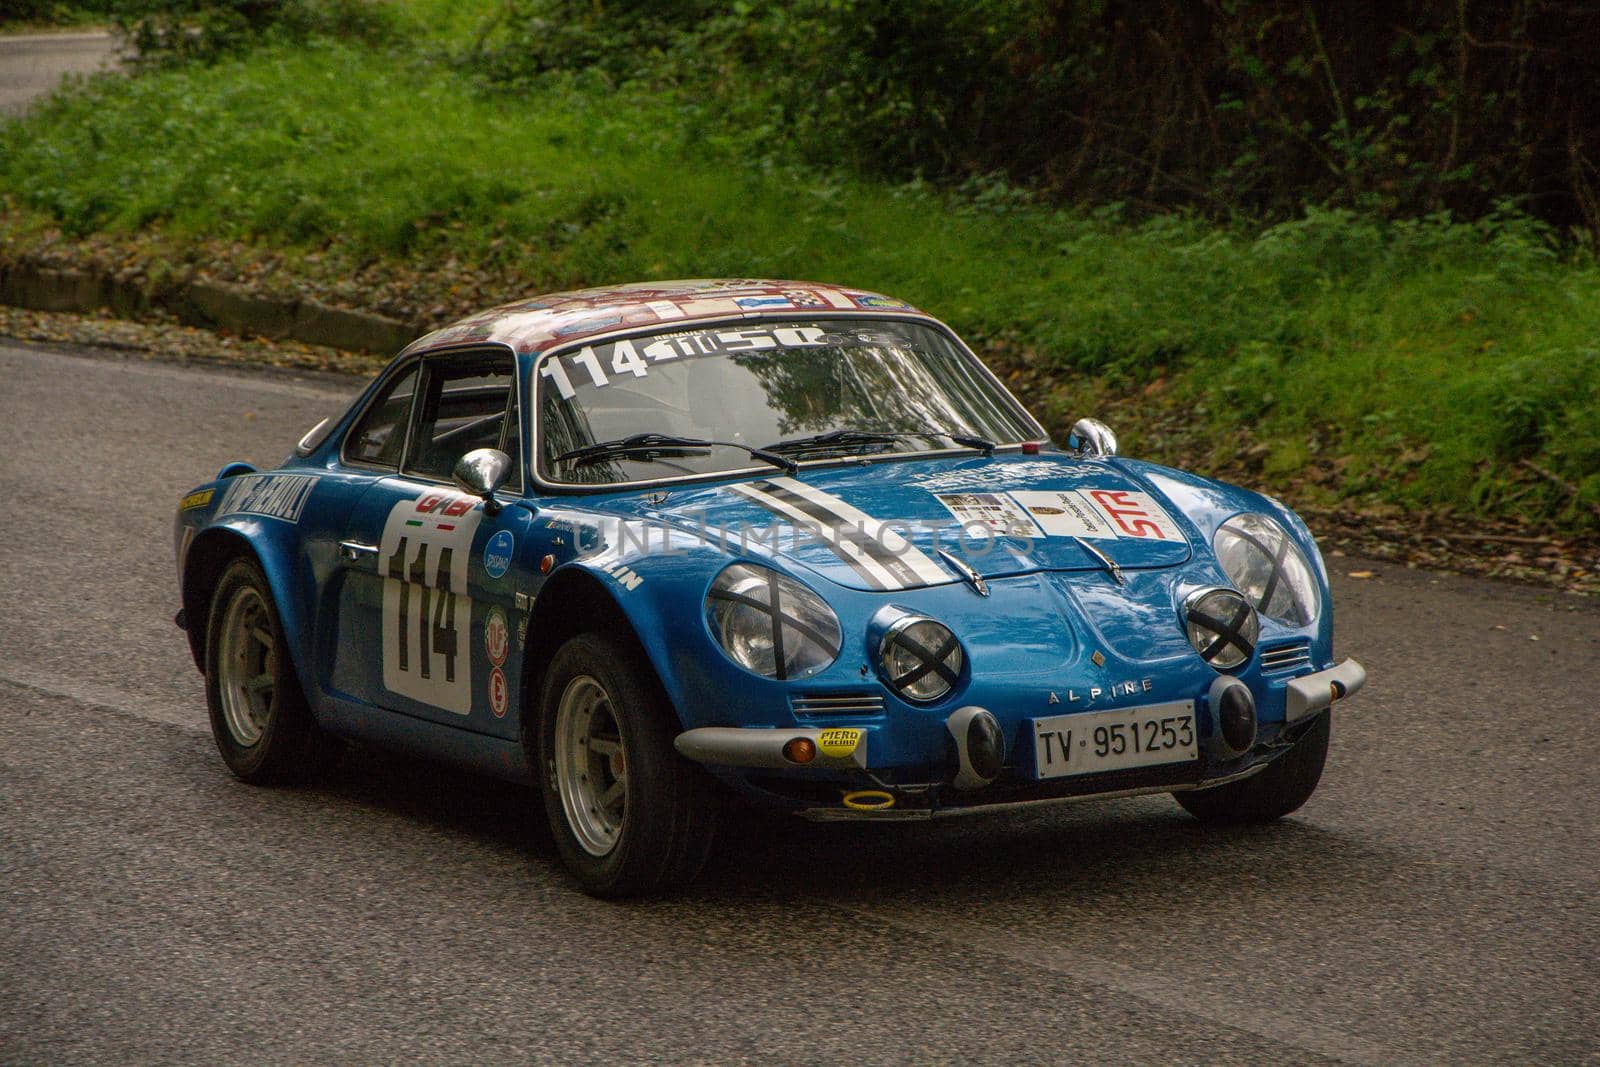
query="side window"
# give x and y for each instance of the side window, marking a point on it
(464, 405)
(381, 433)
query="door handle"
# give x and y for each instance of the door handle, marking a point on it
(354, 550)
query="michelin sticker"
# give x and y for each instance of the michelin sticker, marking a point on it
(497, 553)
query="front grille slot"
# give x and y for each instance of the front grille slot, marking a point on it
(861, 703)
(1286, 657)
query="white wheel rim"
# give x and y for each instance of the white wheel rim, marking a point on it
(591, 765)
(247, 667)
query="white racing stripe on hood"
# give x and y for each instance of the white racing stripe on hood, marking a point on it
(891, 563)
(926, 570)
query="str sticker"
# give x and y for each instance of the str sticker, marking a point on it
(496, 637)
(499, 695)
(497, 553)
(1001, 514)
(427, 614)
(839, 742)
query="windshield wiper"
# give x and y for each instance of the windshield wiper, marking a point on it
(648, 446)
(821, 442)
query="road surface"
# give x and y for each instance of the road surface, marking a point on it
(33, 65)
(1434, 902)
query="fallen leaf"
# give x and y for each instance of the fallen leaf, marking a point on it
(1362, 574)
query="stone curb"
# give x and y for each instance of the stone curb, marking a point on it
(216, 305)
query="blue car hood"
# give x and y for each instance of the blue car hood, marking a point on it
(882, 525)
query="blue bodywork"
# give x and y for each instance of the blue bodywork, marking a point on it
(647, 557)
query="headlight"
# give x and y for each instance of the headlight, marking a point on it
(1264, 564)
(920, 658)
(770, 624)
(1222, 627)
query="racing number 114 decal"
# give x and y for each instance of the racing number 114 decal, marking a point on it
(427, 614)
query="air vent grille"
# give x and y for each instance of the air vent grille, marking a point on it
(1286, 657)
(861, 703)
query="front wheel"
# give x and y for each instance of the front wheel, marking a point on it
(1287, 783)
(259, 716)
(630, 816)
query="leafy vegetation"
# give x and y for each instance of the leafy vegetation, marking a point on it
(1356, 360)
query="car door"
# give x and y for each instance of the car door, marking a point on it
(424, 620)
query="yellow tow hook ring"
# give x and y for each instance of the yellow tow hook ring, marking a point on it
(869, 800)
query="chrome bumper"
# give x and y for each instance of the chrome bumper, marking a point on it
(1313, 692)
(735, 746)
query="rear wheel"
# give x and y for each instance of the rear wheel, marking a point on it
(1287, 783)
(259, 716)
(630, 816)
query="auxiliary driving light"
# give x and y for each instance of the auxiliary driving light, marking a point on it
(800, 750)
(1235, 709)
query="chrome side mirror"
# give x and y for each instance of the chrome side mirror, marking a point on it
(482, 471)
(1091, 437)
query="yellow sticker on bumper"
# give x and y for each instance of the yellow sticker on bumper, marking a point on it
(196, 500)
(839, 742)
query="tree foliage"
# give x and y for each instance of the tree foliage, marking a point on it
(1402, 107)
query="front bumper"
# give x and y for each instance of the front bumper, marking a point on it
(974, 767)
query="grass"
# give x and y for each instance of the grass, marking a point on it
(1411, 364)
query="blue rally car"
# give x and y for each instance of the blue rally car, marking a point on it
(652, 546)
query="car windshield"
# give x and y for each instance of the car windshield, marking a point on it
(894, 387)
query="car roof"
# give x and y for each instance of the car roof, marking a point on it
(542, 322)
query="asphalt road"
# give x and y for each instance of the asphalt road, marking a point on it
(33, 65)
(1435, 901)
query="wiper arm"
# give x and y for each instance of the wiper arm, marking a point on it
(851, 438)
(650, 445)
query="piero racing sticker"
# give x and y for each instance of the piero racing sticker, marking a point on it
(880, 555)
(598, 365)
(998, 511)
(427, 615)
(278, 496)
(839, 742)
(196, 500)
(1099, 513)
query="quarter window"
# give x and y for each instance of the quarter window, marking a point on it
(381, 434)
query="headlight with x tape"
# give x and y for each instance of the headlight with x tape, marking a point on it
(1264, 564)
(770, 624)
(921, 658)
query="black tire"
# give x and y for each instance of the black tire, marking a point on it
(276, 739)
(659, 839)
(1287, 783)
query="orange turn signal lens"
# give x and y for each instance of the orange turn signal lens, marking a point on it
(800, 750)
(546, 563)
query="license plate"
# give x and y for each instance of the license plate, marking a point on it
(1091, 742)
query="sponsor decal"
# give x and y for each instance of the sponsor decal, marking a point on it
(499, 692)
(197, 500)
(1065, 514)
(423, 556)
(665, 309)
(496, 637)
(756, 303)
(715, 305)
(586, 325)
(497, 553)
(633, 358)
(802, 299)
(839, 742)
(1134, 514)
(278, 496)
(998, 511)
(885, 303)
(880, 555)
